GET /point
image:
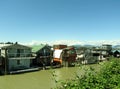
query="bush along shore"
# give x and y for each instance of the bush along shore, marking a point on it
(108, 77)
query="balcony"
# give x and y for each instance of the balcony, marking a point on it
(20, 56)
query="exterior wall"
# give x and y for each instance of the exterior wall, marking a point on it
(12, 53)
(23, 63)
(28, 52)
(44, 52)
(90, 56)
(43, 57)
(2, 66)
(107, 47)
(69, 56)
(3, 53)
(104, 52)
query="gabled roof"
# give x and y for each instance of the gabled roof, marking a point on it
(115, 50)
(16, 46)
(69, 48)
(36, 48)
(2, 45)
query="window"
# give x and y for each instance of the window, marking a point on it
(18, 62)
(20, 52)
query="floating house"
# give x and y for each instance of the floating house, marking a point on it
(80, 54)
(106, 50)
(15, 57)
(90, 57)
(64, 55)
(43, 55)
(69, 56)
(57, 54)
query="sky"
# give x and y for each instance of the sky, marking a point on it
(49, 20)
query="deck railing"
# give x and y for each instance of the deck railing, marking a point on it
(14, 55)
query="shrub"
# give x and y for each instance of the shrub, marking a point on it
(107, 78)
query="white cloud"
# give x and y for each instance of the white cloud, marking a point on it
(74, 42)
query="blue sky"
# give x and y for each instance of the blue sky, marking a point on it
(49, 20)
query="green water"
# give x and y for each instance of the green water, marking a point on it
(42, 79)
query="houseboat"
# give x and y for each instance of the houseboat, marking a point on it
(43, 55)
(15, 57)
(64, 55)
(69, 56)
(57, 54)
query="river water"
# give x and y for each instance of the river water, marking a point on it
(42, 79)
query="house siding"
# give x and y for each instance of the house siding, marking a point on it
(13, 65)
(24, 63)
